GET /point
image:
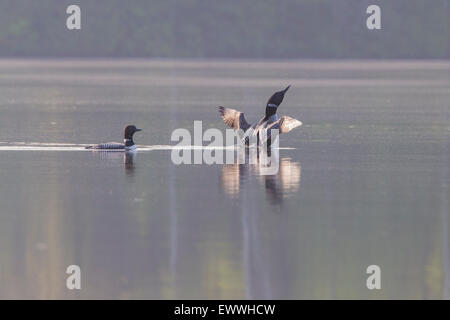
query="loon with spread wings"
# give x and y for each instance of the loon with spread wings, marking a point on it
(127, 145)
(236, 120)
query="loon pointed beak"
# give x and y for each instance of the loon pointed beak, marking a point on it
(137, 130)
(287, 88)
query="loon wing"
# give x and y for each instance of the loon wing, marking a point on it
(234, 119)
(285, 124)
(109, 145)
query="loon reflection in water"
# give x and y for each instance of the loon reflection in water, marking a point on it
(277, 186)
(128, 158)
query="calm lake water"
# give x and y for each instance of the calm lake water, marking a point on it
(364, 181)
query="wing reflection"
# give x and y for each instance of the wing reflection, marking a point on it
(284, 183)
(232, 174)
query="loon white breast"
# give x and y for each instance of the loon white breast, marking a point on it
(236, 120)
(127, 145)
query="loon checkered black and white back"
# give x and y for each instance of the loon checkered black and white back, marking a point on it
(127, 145)
(236, 120)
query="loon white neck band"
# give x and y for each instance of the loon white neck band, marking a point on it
(272, 105)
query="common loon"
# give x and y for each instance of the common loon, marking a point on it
(236, 119)
(127, 145)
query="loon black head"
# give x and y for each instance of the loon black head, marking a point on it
(128, 134)
(274, 101)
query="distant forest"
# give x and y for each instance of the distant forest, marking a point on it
(263, 29)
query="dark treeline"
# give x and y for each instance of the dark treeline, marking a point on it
(226, 29)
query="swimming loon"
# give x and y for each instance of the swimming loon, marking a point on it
(127, 145)
(236, 119)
